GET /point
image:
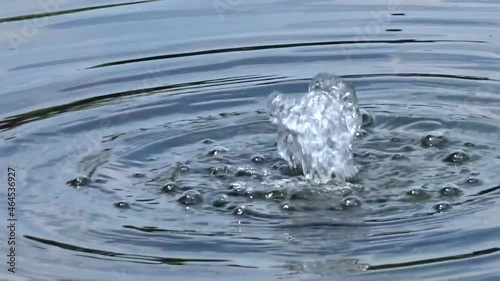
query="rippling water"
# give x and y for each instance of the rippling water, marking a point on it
(144, 150)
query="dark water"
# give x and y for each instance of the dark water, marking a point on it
(145, 100)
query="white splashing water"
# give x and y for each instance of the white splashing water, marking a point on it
(316, 130)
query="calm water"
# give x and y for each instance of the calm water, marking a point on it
(158, 108)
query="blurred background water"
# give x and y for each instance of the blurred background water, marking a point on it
(139, 133)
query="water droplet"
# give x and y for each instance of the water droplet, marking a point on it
(345, 191)
(191, 197)
(80, 180)
(217, 150)
(258, 159)
(450, 190)
(434, 138)
(418, 194)
(139, 175)
(221, 200)
(442, 207)
(457, 156)
(122, 205)
(170, 187)
(350, 202)
(208, 141)
(469, 144)
(366, 118)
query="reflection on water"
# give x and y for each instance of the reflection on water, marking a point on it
(145, 152)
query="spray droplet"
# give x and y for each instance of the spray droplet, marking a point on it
(316, 130)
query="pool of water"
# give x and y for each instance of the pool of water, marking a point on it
(143, 149)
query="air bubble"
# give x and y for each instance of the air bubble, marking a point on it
(366, 118)
(218, 170)
(217, 150)
(213, 171)
(286, 206)
(450, 190)
(80, 180)
(258, 159)
(240, 211)
(183, 168)
(191, 197)
(418, 194)
(408, 148)
(434, 138)
(473, 181)
(397, 156)
(238, 189)
(139, 175)
(349, 203)
(286, 170)
(457, 156)
(276, 194)
(345, 191)
(221, 200)
(442, 207)
(276, 165)
(361, 133)
(357, 187)
(170, 187)
(121, 205)
(469, 144)
(247, 172)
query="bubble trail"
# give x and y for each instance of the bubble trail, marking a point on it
(316, 130)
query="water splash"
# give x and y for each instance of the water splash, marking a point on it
(316, 130)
